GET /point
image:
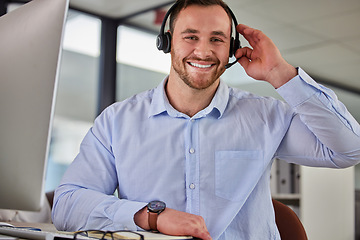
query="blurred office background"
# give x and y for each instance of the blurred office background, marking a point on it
(109, 54)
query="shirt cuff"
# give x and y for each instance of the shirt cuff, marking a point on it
(299, 89)
(124, 219)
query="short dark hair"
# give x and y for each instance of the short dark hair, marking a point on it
(181, 4)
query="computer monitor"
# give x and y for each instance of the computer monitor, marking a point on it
(30, 50)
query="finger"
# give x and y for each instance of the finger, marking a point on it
(205, 235)
(241, 27)
(244, 62)
(244, 52)
(252, 35)
(245, 57)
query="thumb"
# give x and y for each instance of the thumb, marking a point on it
(244, 56)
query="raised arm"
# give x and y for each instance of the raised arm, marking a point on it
(323, 132)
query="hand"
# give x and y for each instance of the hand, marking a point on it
(176, 223)
(263, 61)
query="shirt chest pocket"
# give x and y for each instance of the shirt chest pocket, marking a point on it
(237, 173)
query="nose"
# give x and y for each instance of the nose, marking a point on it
(203, 49)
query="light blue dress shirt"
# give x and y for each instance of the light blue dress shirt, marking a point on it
(215, 164)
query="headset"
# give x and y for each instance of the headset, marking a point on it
(163, 40)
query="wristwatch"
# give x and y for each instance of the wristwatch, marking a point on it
(154, 209)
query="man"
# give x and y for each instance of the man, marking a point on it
(201, 147)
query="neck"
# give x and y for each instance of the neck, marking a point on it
(186, 99)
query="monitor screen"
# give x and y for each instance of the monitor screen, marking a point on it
(30, 50)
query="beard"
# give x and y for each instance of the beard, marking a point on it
(198, 81)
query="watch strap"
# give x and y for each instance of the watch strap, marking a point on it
(152, 218)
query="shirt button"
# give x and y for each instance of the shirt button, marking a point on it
(192, 186)
(192, 150)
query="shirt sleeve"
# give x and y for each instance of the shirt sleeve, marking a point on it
(322, 132)
(85, 198)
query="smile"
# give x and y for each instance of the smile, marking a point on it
(200, 65)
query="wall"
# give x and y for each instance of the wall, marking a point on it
(77, 94)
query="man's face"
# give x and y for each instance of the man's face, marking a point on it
(200, 45)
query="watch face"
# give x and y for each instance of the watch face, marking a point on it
(156, 206)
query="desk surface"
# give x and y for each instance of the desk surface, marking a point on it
(47, 227)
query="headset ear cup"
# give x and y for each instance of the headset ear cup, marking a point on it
(167, 42)
(236, 45)
(163, 42)
(231, 51)
(160, 42)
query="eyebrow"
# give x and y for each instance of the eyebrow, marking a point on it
(219, 33)
(189, 30)
(216, 33)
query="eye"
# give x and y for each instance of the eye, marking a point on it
(191, 37)
(216, 40)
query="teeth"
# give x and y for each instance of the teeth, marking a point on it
(199, 65)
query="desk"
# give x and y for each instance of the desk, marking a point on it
(47, 227)
(50, 229)
(39, 231)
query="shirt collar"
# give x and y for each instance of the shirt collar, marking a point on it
(160, 103)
